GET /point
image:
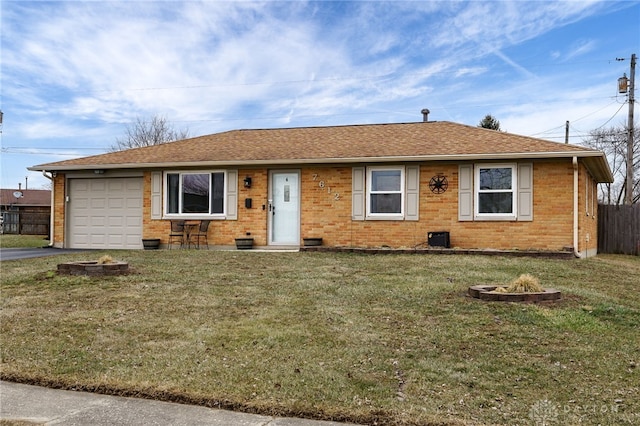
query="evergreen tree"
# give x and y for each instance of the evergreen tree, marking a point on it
(490, 122)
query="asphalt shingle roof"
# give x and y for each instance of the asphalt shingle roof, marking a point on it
(373, 142)
(30, 197)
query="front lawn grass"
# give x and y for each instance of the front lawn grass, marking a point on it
(23, 241)
(382, 339)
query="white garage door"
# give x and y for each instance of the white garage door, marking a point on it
(105, 213)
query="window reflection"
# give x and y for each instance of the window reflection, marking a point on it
(495, 178)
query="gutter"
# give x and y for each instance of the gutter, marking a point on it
(53, 209)
(575, 208)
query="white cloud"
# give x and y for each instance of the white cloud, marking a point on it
(103, 51)
(579, 48)
(470, 71)
(493, 25)
(513, 64)
(81, 70)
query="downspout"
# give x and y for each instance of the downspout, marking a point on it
(53, 207)
(576, 253)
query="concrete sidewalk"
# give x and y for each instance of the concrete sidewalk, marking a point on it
(43, 406)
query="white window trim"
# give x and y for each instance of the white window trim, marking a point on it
(369, 180)
(514, 191)
(194, 216)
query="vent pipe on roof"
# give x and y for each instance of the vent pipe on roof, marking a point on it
(425, 115)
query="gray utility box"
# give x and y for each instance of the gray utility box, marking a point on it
(438, 239)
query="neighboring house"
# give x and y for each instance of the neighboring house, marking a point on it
(25, 211)
(381, 185)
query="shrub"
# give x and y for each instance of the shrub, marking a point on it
(525, 283)
(106, 259)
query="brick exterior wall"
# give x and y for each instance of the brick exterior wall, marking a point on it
(59, 207)
(552, 225)
(326, 212)
(551, 229)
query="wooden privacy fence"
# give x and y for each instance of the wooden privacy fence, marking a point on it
(25, 223)
(619, 229)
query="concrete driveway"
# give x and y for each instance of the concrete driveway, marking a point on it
(26, 253)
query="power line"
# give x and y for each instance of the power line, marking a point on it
(612, 117)
(578, 119)
(320, 80)
(29, 151)
(411, 113)
(58, 148)
(261, 83)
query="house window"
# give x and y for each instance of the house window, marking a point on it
(385, 192)
(495, 191)
(195, 193)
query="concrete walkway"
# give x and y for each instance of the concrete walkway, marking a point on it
(26, 404)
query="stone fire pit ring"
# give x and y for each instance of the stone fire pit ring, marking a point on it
(486, 292)
(93, 268)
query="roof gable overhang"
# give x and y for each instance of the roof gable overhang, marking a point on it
(595, 162)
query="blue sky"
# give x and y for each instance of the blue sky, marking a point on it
(74, 74)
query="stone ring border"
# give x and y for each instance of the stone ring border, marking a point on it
(93, 268)
(486, 292)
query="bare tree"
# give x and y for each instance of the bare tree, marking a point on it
(155, 131)
(613, 142)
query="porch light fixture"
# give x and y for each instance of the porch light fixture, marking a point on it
(247, 182)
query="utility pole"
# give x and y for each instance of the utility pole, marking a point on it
(566, 132)
(632, 80)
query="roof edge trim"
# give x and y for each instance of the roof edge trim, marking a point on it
(601, 171)
(405, 158)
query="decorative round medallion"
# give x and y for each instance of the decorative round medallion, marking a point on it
(438, 184)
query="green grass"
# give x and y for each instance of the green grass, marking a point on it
(388, 339)
(22, 241)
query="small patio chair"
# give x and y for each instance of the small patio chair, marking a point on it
(177, 233)
(200, 233)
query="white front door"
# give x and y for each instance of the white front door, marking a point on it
(284, 208)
